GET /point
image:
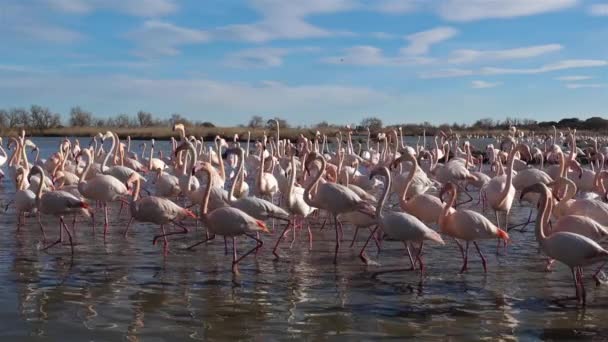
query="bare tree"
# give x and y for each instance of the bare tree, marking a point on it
(80, 117)
(145, 119)
(282, 123)
(3, 118)
(123, 121)
(373, 123)
(178, 118)
(256, 122)
(42, 118)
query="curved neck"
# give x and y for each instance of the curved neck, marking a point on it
(410, 177)
(26, 164)
(220, 161)
(542, 217)
(14, 156)
(42, 180)
(261, 171)
(151, 156)
(207, 194)
(450, 203)
(238, 174)
(387, 187)
(104, 165)
(86, 169)
(292, 179)
(307, 197)
(507, 187)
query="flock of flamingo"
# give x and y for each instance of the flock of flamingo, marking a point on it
(293, 184)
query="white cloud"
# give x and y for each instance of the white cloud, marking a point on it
(199, 98)
(561, 65)
(445, 73)
(373, 56)
(26, 23)
(162, 38)
(286, 20)
(142, 8)
(262, 57)
(584, 85)
(469, 56)
(469, 10)
(396, 6)
(382, 35)
(421, 42)
(599, 9)
(48, 33)
(573, 78)
(478, 84)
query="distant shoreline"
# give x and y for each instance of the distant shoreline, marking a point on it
(209, 133)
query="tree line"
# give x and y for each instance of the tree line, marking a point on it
(41, 118)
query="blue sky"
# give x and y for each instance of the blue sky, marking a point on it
(308, 60)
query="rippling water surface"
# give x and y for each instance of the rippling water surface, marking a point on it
(125, 289)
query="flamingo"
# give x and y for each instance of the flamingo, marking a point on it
(466, 225)
(400, 226)
(229, 222)
(258, 208)
(25, 199)
(296, 205)
(57, 203)
(574, 250)
(500, 190)
(155, 210)
(102, 188)
(425, 207)
(334, 198)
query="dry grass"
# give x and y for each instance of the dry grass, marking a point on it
(209, 133)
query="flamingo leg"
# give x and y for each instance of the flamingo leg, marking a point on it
(465, 258)
(276, 245)
(409, 254)
(128, 226)
(354, 237)
(105, 222)
(258, 245)
(225, 246)
(483, 259)
(362, 254)
(235, 268)
(575, 278)
(309, 237)
(466, 193)
(596, 274)
(41, 228)
(337, 240)
(582, 284)
(164, 235)
(523, 225)
(211, 237)
(57, 241)
(69, 234)
(419, 258)
(460, 248)
(120, 210)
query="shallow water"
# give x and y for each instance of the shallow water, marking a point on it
(125, 289)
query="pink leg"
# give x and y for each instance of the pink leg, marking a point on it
(276, 245)
(128, 226)
(483, 259)
(105, 222)
(465, 259)
(258, 246)
(354, 237)
(362, 254)
(337, 240)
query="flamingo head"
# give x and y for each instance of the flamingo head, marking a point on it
(447, 188)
